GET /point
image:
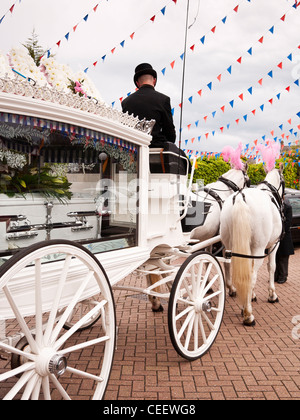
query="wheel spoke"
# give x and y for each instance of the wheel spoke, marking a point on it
(185, 324)
(60, 388)
(196, 332)
(69, 309)
(210, 284)
(38, 303)
(46, 388)
(210, 324)
(19, 385)
(30, 387)
(17, 371)
(189, 332)
(21, 320)
(78, 324)
(37, 389)
(14, 350)
(186, 311)
(84, 374)
(84, 345)
(53, 313)
(202, 330)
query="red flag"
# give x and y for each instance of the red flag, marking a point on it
(288, 88)
(219, 77)
(153, 18)
(261, 40)
(132, 35)
(283, 18)
(172, 64)
(75, 27)
(236, 8)
(260, 81)
(192, 47)
(58, 43)
(12, 8)
(241, 96)
(239, 60)
(213, 29)
(280, 65)
(200, 92)
(95, 8)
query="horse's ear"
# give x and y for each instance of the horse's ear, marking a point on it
(281, 167)
(246, 167)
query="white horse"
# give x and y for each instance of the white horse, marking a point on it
(251, 223)
(214, 194)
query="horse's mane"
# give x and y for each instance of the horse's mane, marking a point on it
(269, 154)
(234, 156)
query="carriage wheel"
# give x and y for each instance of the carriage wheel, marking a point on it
(196, 305)
(40, 288)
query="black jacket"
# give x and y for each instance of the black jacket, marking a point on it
(286, 247)
(152, 105)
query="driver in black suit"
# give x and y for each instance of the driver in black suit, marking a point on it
(152, 105)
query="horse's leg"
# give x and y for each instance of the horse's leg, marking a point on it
(155, 301)
(273, 298)
(228, 278)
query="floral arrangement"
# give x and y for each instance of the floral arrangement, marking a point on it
(20, 60)
(4, 66)
(76, 87)
(9, 159)
(63, 79)
(56, 74)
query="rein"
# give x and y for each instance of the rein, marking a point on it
(230, 184)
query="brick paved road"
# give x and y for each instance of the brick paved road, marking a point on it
(257, 363)
(244, 363)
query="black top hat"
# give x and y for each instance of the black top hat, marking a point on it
(142, 69)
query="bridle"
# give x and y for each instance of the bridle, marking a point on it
(230, 184)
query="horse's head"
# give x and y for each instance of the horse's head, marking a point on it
(239, 177)
(276, 182)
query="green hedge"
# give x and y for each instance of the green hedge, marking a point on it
(210, 169)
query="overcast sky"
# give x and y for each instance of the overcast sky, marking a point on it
(229, 34)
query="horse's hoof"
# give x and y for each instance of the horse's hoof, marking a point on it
(249, 323)
(254, 299)
(232, 294)
(273, 301)
(160, 309)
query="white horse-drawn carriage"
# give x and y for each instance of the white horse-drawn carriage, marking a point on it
(84, 203)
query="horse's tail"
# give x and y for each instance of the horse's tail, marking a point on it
(241, 240)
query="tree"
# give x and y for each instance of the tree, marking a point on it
(35, 51)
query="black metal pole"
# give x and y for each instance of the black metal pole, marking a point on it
(183, 72)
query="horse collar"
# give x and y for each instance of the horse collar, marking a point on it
(229, 184)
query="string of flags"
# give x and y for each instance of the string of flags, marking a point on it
(74, 28)
(245, 117)
(250, 152)
(242, 96)
(10, 10)
(239, 60)
(131, 36)
(209, 87)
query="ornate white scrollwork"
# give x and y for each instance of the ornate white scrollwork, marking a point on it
(25, 88)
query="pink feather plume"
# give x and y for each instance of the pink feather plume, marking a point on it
(234, 156)
(270, 154)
